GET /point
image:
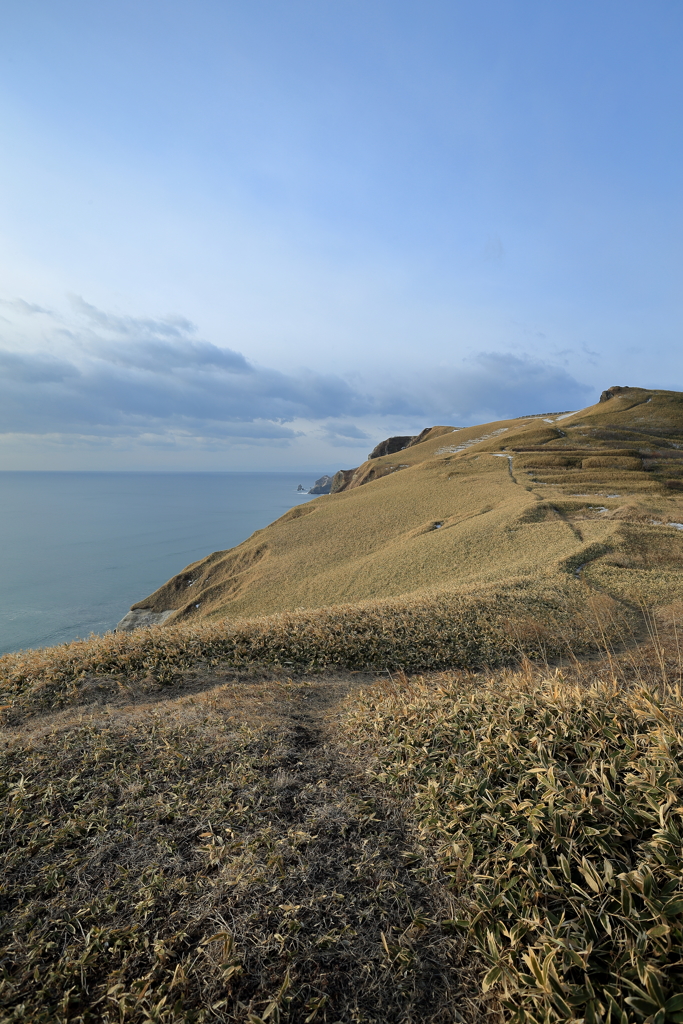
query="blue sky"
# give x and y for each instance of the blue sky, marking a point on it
(266, 235)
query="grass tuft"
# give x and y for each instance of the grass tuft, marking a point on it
(549, 804)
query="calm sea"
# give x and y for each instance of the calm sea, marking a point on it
(77, 549)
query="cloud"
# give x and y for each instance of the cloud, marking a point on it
(128, 377)
(136, 328)
(26, 308)
(38, 368)
(488, 386)
(344, 435)
(166, 356)
(497, 385)
(346, 430)
(126, 374)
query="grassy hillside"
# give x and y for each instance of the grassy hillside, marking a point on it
(511, 500)
(416, 757)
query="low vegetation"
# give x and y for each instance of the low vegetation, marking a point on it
(240, 844)
(187, 861)
(550, 805)
(459, 802)
(456, 511)
(537, 620)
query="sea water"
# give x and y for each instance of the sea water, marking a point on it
(77, 549)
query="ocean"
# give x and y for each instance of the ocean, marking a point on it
(77, 549)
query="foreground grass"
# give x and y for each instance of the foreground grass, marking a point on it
(550, 805)
(234, 845)
(178, 862)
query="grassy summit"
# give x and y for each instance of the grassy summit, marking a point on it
(417, 755)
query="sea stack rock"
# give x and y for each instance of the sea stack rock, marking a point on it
(322, 486)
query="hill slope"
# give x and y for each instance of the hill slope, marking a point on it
(469, 508)
(193, 834)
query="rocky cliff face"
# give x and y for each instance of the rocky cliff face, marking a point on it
(391, 446)
(341, 480)
(322, 486)
(422, 436)
(347, 479)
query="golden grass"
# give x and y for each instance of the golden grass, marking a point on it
(236, 846)
(538, 620)
(376, 541)
(619, 463)
(642, 586)
(450, 520)
(635, 483)
(195, 861)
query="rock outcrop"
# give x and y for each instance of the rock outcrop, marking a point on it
(391, 446)
(347, 479)
(141, 617)
(612, 392)
(420, 437)
(322, 486)
(341, 480)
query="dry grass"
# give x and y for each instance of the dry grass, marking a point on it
(239, 846)
(235, 846)
(379, 540)
(537, 620)
(548, 803)
(204, 858)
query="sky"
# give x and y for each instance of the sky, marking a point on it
(266, 235)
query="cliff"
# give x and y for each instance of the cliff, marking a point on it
(322, 485)
(346, 479)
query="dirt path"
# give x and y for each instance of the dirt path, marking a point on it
(386, 913)
(228, 804)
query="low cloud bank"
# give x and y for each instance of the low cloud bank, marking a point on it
(97, 374)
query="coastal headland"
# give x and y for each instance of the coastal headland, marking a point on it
(454, 511)
(413, 752)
